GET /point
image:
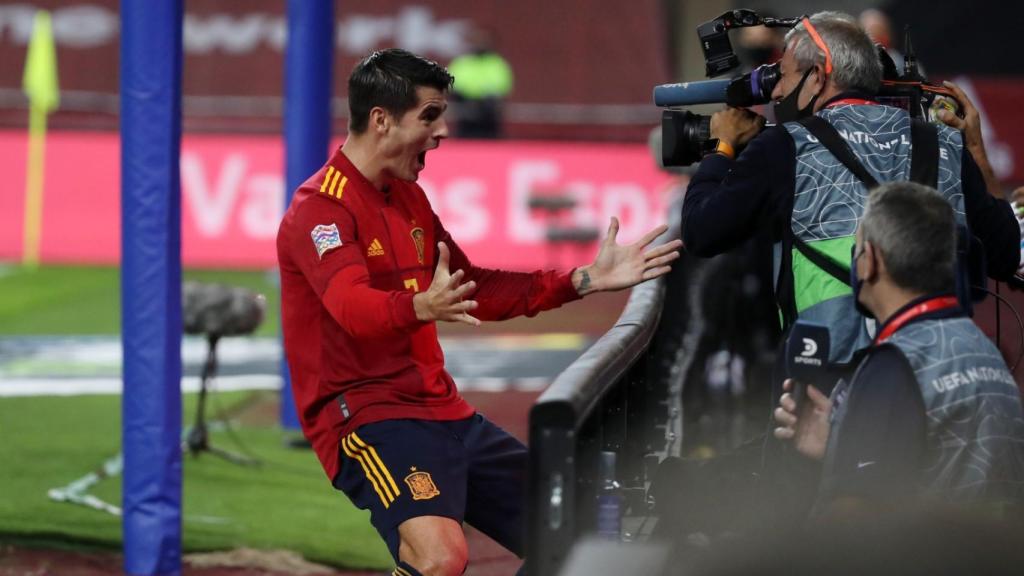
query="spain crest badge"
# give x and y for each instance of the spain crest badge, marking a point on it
(417, 238)
(421, 485)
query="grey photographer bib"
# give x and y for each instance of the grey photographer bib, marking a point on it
(829, 201)
(975, 425)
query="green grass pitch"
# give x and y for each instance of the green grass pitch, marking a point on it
(287, 503)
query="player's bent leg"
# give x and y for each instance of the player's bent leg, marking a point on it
(496, 491)
(433, 545)
(411, 475)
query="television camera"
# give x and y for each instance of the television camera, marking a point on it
(686, 136)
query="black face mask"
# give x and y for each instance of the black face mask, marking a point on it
(856, 283)
(787, 109)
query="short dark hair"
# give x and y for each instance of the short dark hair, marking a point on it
(389, 78)
(914, 229)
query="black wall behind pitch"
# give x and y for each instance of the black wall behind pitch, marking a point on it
(976, 37)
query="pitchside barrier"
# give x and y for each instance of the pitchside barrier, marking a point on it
(621, 396)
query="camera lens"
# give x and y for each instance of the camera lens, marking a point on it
(754, 87)
(697, 129)
(763, 80)
(683, 137)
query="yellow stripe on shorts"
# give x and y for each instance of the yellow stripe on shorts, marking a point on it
(385, 496)
(373, 454)
(373, 461)
(370, 470)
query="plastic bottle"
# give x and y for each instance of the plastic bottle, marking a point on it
(609, 500)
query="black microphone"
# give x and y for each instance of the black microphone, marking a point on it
(220, 310)
(806, 355)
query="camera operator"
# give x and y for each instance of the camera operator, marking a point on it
(787, 184)
(932, 409)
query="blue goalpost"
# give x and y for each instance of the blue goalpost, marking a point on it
(150, 92)
(151, 324)
(308, 87)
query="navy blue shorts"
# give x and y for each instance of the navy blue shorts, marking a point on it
(468, 470)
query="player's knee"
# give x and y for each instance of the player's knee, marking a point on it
(446, 563)
(448, 560)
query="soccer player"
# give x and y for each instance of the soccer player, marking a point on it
(367, 269)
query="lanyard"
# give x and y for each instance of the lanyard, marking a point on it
(853, 101)
(940, 303)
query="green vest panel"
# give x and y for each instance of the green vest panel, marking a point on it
(828, 203)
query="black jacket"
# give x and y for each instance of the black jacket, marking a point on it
(729, 201)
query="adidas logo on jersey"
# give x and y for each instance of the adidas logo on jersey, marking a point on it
(375, 248)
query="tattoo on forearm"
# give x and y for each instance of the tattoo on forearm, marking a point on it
(585, 281)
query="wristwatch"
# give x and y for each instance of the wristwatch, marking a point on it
(716, 146)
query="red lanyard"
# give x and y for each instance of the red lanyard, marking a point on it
(853, 101)
(940, 303)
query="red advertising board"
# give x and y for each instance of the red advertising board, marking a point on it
(233, 196)
(582, 69)
(999, 103)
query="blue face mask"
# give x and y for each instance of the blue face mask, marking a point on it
(856, 283)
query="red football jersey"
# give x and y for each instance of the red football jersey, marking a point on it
(352, 257)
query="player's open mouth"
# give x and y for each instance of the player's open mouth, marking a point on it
(422, 158)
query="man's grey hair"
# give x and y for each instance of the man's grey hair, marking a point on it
(855, 63)
(913, 228)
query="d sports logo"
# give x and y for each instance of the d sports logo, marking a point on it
(810, 347)
(807, 351)
(807, 355)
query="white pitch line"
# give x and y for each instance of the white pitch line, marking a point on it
(16, 387)
(82, 386)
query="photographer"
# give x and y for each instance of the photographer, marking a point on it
(787, 184)
(932, 409)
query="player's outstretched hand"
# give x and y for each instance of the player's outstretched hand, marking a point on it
(622, 266)
(445, 299)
